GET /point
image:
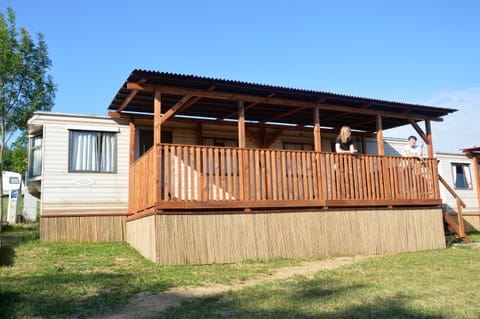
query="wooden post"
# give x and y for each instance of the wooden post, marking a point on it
(477, 177)
(384, 160)
(380, 146)
(461, 226)
(241, 144)
(317, 137)
(241, 124)
(132, 142)
(157, 124)
(428, 128)
(157, 139)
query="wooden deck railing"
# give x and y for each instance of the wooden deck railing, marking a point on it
(223, 177)
(460, 228)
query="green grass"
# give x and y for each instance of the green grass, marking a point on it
(78, 280)
(62, 280)
(433, 284)
(474, 236)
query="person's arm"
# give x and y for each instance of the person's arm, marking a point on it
(421, 149)
(352, 149)
(338, 149)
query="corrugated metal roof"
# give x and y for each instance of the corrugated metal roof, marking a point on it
(341, 110)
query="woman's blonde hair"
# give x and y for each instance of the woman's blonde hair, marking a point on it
(343, 134)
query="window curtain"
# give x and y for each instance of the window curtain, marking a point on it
(37, 162)
(84, 151)
(36, 156)
(107, 152)
(92, 151)
(468, 178)
(454, 174)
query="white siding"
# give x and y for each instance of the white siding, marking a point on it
(392, 146)
(81, 193)
(469, 196)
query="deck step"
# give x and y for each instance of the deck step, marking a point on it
(452, 226)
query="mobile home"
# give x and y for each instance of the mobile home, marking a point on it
(11, 181)
(190, 169)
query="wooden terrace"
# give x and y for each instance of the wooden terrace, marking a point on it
(193, 203)
(202, 177)
(175, 178)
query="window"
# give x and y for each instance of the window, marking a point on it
(146, 139)
(35, 162)
(92, 152)
(461, 176)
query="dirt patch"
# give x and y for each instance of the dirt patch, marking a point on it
(146, 305)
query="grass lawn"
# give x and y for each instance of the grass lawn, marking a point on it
(78, 280)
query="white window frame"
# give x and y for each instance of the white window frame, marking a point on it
(465, 167)
(35, 161)
(80, 163)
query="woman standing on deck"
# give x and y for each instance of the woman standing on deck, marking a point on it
(343, 143)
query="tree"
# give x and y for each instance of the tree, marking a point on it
(25, 86)
(15, 156)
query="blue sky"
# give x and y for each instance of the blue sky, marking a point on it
(423, 52)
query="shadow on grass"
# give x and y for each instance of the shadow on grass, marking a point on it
(302, 301)
(68, 295)
(9, 240)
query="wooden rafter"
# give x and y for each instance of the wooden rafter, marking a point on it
(420, 132)
(284, 114)
(253, 138)
(274, 137)
(175, 108)
(333, 117)
(280, 101)
(249, 106)
(135, 88)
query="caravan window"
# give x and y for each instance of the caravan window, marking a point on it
(461, 176)
(35, 162)
(92, 152)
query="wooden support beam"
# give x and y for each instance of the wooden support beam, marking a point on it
(175, 108)
(236, 113)
(428, 127)
(380, 145)
(317, 137)
(253, 138)
(274, 138)
(282, 115)
(279, 101)
(241, 124)
(157, 139)
(476, 176)
(135, 88)
(419, 131)
(132, 142)
(157, 118)
(127, 100)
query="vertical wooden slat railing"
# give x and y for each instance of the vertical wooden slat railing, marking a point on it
(141, 186)
(222, 174)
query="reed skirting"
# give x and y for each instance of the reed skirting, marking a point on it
(83, 228)
(141, 234)
(204, 239)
